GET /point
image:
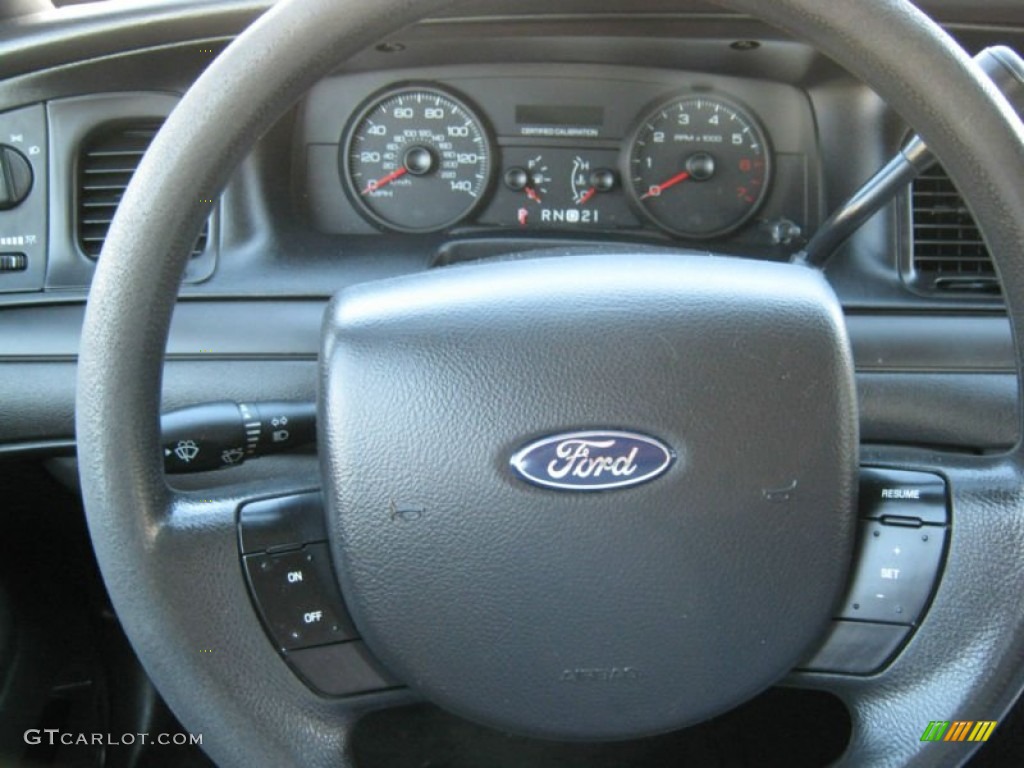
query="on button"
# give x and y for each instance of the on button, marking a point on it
(298, 599)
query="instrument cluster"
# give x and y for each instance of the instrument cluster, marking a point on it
(657, 158)
(421, 159)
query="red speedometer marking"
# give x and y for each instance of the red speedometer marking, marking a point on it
(373, 186)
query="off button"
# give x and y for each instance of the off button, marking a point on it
(298, 598)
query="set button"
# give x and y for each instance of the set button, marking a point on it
(896, 569)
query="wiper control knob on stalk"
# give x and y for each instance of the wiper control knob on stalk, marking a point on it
(224, 434)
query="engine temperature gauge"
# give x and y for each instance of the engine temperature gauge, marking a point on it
(587, 181)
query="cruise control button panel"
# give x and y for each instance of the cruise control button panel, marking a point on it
(896, 570)
(902, 540)
(298, 598)
(287, 564)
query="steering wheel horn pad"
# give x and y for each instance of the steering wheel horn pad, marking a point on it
(602, 615)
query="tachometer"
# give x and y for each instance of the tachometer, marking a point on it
(698, 166)
(416, 159)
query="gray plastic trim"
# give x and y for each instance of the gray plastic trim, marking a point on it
(931, 343)
(958, 410)
(37, 400)
(255, 329)
(200, 330)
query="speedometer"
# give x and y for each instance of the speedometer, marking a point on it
(416, 159)
(698, 166)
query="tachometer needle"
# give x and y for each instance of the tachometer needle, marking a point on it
(373, 186)
(587, 195)
(657, 189)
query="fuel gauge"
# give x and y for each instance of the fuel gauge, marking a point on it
(532, 180)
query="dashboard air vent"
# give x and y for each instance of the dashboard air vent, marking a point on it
(949, 254)
(106, 162)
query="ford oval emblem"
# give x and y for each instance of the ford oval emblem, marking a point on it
(592, 461)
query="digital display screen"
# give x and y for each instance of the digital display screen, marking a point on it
(558, 120)
(559, 115)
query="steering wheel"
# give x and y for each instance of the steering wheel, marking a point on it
(689, 593)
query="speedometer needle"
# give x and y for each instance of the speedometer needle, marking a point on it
(373, 186)
(657, 189)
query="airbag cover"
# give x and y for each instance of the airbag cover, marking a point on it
(591, 613)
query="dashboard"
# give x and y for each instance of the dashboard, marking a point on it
(672, 128)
